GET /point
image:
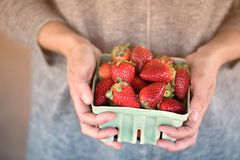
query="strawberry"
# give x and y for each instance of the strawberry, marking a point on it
(157, 61)
(122, 94)
(140, 56)
(172, 105)
(104, 71)
(158, 73)
(182, 81)
(121, 52)
(124, 70)
(152, 95)
(137, 84)
(101, 89)
(152, 62)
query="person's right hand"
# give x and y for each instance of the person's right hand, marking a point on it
(81, 62)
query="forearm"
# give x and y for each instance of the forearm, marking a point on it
(58, 37)
(22, 20)
(224, 47)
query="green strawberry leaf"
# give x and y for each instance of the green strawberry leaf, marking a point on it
(118, 88)
(119, 80)
(109, 95)
(167, 93)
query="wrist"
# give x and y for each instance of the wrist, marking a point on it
(224, 47)
(212, 53)
(73, 42)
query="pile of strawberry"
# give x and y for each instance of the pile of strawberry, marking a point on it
(133, 78)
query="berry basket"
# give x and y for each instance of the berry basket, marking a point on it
(129, 121)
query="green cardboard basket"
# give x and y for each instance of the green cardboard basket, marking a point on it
(130, 120)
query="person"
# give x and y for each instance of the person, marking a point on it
(67, 37)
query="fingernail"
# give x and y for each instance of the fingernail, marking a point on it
(194, 116)
(86, 99)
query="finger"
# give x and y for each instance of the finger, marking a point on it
(115, 145)
(79, 81)
(199, 100)
(97, 133)
(179, 145)
(189, 129)
(96, 119)
(80, 107)
(83, 91)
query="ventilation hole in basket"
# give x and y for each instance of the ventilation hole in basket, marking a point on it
(138, 135)
(160, 135)
(116, 136)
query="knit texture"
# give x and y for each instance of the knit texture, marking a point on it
(172, 27)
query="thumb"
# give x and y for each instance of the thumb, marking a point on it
(84, 92)
(198, 103)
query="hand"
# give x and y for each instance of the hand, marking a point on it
(81, 60)
(204, 66)
(81, 57)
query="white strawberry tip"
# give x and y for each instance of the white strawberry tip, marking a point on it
(158, 105)
(145, 105)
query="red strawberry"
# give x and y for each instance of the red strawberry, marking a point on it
(124, 70)
(158, 73)
(121, 52)
(101, 89)
(182, 81)
(156, 61)
(167, 60)
(152, 95)
(104, 71)
(122, 94)
(137, 84)
(172, 105)
(140, 56)
(152, 62)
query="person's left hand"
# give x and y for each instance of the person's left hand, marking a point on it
(204, 66)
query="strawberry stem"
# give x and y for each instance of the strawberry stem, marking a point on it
(118, 88)
(119, 80)
(169, 90)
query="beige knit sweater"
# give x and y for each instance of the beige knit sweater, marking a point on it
(173, 27)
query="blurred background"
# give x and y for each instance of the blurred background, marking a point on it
(15, 88)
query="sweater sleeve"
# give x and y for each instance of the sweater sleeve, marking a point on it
(22, 19)
(233, 19)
